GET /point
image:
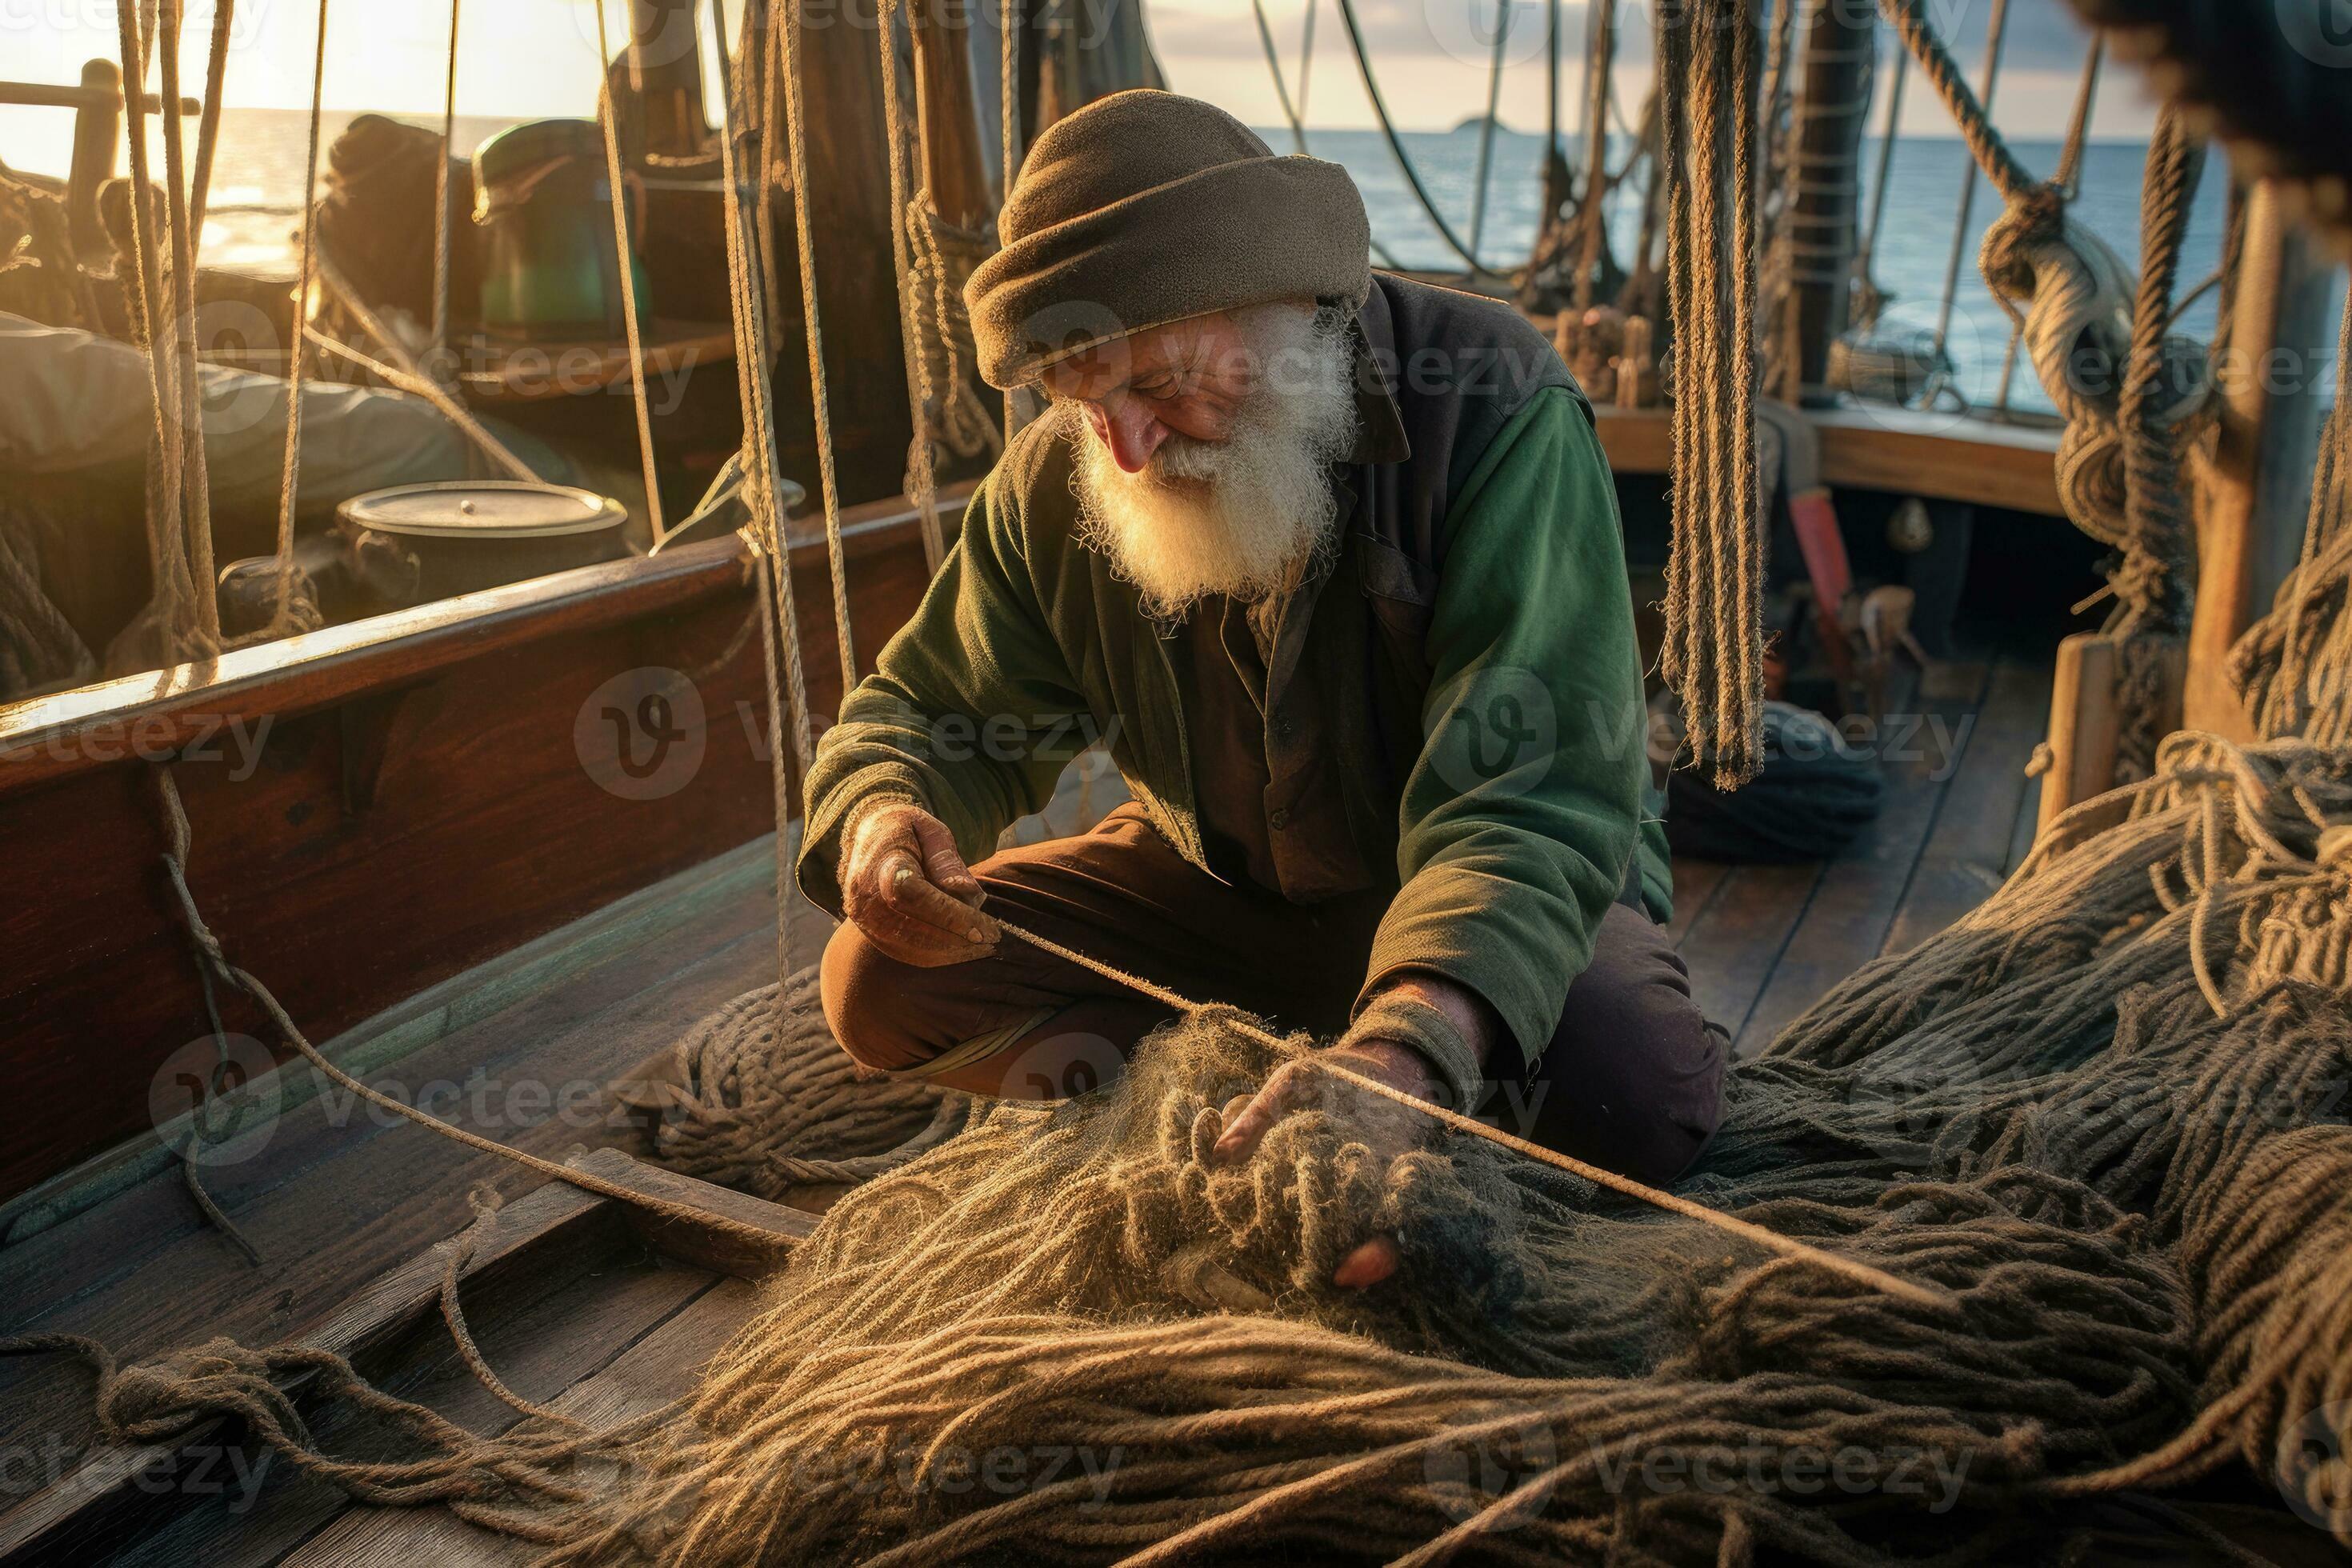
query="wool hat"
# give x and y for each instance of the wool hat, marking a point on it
(1146, 207)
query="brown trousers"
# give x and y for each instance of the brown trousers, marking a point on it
(1632, 1078)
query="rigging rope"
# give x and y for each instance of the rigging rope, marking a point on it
(1487, 125)
(931, 258)
(290, 614)
(1396, 145)
(747, 235)
(441, 231)
(1996, 35)
(609, 114)
(168, 630)
(1295, 116)
(1868, 300)
(786, 38)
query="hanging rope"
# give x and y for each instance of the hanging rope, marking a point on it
(608, 113)
(2153, 581)
(172, 628)
(441, 235)
(788, 699)
(786, 38)
(931, 258)
(1487, 124)
(1295, 115)
(294, 611)
(1714, 651)
(1396, 145)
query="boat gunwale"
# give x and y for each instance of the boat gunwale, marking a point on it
(153, 714)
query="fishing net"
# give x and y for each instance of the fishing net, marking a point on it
(2104, 1111)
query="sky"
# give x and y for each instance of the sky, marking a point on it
(532, 58)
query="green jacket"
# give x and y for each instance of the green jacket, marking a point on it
(1473, 642)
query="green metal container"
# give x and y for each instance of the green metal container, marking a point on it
(548, 271)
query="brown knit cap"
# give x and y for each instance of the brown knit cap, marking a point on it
(1146, 207)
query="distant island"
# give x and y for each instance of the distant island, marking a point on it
(1473, 122)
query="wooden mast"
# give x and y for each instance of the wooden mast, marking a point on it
(948, 116)
(1832, 106)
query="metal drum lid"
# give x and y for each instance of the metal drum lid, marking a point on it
(503, 509)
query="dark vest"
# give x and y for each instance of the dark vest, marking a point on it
(1338, 705)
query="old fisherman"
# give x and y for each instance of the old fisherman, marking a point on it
(1331, 561)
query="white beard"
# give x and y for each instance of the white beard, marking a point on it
(1246, 516)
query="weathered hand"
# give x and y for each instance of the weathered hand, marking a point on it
(1390, 1130)
(903, 884)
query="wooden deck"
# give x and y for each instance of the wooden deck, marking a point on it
(1763, 943)
(338, 1196)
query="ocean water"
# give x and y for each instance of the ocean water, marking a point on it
(257, 180)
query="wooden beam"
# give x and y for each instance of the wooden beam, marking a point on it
(63, 1520)
(1937, 456)
(2251, 530)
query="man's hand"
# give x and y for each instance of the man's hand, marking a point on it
(905, 887)
(1387, 1128)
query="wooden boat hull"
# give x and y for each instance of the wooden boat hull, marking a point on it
(378, 807)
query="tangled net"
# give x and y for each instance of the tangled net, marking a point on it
(2105, 1112)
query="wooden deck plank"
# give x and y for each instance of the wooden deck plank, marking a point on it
(1847, 921)
(656, 1370)
(377, 1196)
(1731, 948)
(573, 1330)
(57, 1266)
(1967, 850)
(1696, 882)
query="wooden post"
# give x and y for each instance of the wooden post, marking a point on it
(1832, 106)
(666, 68)
(98, 130)
(849, 221)
(2082, 725)
(2252, 529)
(947, 113)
